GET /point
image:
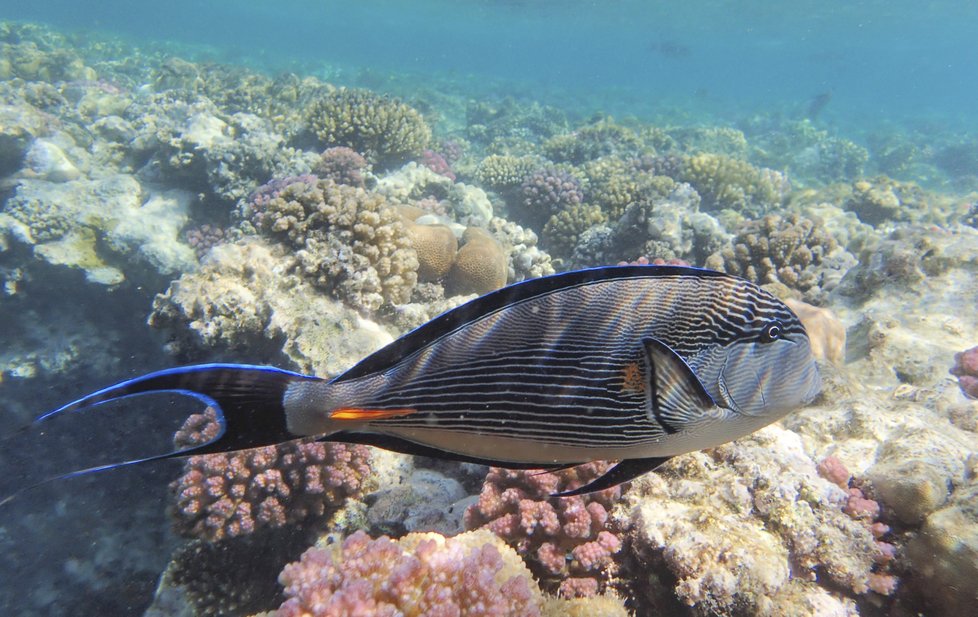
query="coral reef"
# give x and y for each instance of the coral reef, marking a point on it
(603, 138)
(614, 184)
(243, 301)
(420, 574)
(728, 183)
(794, 251)
(749, 528)
(569, 543)
(966, 370)
(526, 260)
(223, 496)
(386, 131)
(349, 241)
(436, 247)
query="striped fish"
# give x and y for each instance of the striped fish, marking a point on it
(634, 363)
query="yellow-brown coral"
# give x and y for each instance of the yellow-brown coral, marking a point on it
(386, 131)
(436, 246)
(564, 228)
(481, 265)
(726, 182)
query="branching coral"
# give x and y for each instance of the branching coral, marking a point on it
(349, 240)
(342, 165)
(602, 138)
(563, 230)
(790, 250)
(614, 184)
(725, 182)
(386, 131)
(418, 575)
(504, 173)
(569, 543)
(227, 495)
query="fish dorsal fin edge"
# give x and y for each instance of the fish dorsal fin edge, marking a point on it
(674, 397)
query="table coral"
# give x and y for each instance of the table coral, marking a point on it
(228, 495)
(385, 130)
(347, 240)
(569, 543)
(418, 575)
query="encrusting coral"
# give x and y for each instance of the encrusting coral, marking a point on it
(570, 543)
(385, 130)
(228, 495)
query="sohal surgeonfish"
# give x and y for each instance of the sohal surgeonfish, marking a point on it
(633, 363)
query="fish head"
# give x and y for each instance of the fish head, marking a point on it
(769, 369)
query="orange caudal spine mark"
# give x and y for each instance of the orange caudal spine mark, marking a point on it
(632, 378)
(365, 415)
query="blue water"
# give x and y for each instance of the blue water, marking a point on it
(895, 61)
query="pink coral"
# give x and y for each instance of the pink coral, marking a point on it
(833, 470)
(569, 542)
(342, 165)
(966, 370)
(233, 494)
(438, 164)
(204, 237)
(382, 577)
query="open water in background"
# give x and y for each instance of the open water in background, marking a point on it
(911, 63)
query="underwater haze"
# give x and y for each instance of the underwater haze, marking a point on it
(298, 184)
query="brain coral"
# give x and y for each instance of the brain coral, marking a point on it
(349, 240)
(227, 495)
(386, 131)
(726, 182)
(570, 542)
(481, 264)
(436, 246)
(419, 575)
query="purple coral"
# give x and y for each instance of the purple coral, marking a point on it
(228, 495)
(385, 578)
(205, 237)
(966, 370)
(437, 163)
(257, 205)
(570, 543)
(342, 165)
(550, 189)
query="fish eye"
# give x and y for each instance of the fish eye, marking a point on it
(772, 332)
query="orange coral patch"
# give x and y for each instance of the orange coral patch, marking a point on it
(632, 378)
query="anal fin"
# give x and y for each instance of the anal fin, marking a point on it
(622, 472)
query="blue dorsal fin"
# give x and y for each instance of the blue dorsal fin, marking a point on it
(675, 397)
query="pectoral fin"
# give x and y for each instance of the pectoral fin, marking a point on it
(675, 397)
(620, 473)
